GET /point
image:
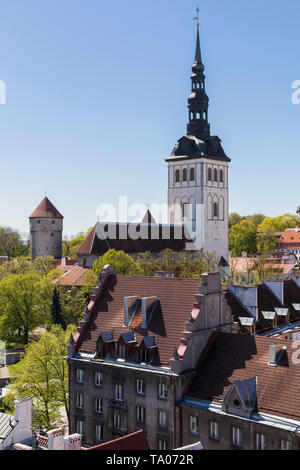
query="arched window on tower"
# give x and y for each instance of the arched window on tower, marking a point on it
(184, 175)
(215, 174)
(216, 209)
(209, 174)
(221, 176)
(177, 176)
(192, 174)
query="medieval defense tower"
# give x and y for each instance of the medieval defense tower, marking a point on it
(198, 173)
(46, 226)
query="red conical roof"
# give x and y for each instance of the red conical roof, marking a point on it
(46, 209)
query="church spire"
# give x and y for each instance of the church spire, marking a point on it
(198, 100)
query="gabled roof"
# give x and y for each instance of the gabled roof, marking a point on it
(234, 357)
(7, 424)
(98, 243)
(46, 209)
(134, 441)
(176, 299)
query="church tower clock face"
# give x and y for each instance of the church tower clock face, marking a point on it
(198, 175)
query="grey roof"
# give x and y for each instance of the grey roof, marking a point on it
(149, 341)
(128, 336)
(191, 147)
(7, 424)
(269, 315)
(246, 321)
(282, 312)
(296, 306)
(106, 336)
(247, 390)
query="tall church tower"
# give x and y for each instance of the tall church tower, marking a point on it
(46, 226)
(198, 173)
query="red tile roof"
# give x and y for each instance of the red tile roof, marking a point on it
(176, 299)
(238, 357)
(290, 236)
(73, 276)
(134, 441)
(46, 209)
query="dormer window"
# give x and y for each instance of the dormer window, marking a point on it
(143, 357)
(236, 403)
(122, 351)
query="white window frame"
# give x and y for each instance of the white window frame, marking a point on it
(119, 392)
(79, 426)
(162, 419)
(99, 432)
(163, 390)
(98, 379)
(194, 426)
(99, 405)
(140, 414)
(79, 376)
(214, 430)
(117, 421)
(144, 355)
(261, 441)
(140, 387)
(162, 444)
(237, 436)
(285, 444)
(79, 401)
(122, 352)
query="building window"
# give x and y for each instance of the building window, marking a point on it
(285, 445)
(117, 421)
(214, 430)
(39, 221)
(98, 405)
(79, 427)
(216, 209)
(209, 174)
(184, 175)
(215, 174)
(79, 400)
(53, 221)
(119, 392)
(221, 176)
(80, 375)
(51, 234)
(177, 176)
(260, 441)
(140, 414)
(162, 444)
(140, 387)
(192, 174)
(98, 379)
(143, 356)
(237, 437)
(163, 390)
(99, 432)
(162, 419)
(193, 425)
(122, 352)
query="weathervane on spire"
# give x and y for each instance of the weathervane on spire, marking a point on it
(197, 17)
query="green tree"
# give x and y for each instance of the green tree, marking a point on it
(121, 262)
(11, 244)
(268, 228)
(257, 219)
(56, 310)
(24, 303)
(242, 237)
(234, 218)
(72, 303)
(43, 376)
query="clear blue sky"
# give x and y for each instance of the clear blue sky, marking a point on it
(97, 94)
